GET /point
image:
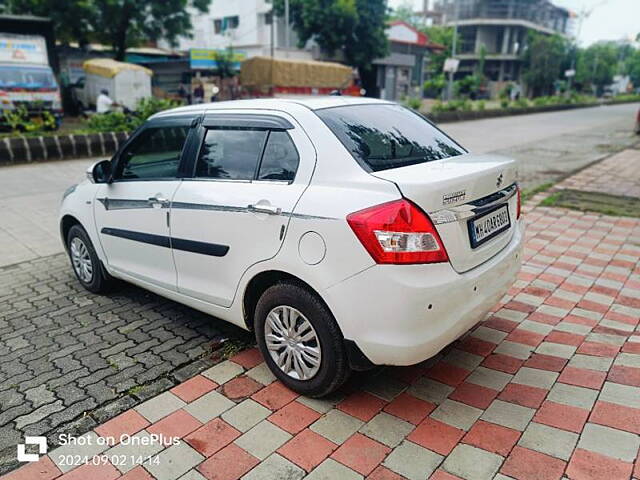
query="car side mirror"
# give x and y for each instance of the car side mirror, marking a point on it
(100, 172)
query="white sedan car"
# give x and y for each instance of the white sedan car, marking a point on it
(346, 232)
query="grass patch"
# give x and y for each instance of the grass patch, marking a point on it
(619, 206)
(530, 192)
(233, 346)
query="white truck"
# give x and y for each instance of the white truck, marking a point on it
(27, 81)
(127, 83)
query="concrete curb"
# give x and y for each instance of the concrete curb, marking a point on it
(16, 150)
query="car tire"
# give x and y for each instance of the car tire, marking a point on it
(333, 369)
(85, 262)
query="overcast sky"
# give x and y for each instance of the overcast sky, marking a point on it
(609, 19)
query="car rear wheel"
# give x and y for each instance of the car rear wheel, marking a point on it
(85, 262)
(300, 340)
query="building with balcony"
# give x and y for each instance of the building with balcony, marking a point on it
(502, 26)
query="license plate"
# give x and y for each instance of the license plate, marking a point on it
(488, 225)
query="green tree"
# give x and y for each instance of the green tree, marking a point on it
(119, 23)
(545, 59)
(404, 13)
(436, 79)
(354, 27)
(632, 67)
(597, 65)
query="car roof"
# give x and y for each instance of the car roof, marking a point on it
(283, 104)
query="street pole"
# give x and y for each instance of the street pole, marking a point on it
(271, 32)
(286, 24)
(453, 47)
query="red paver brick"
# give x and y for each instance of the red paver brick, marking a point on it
(583, 377)
(240, 387)
(502, 363)
(565, 338)
(129, 422)
(177, 424)
(212, 436)
(586, 465)
(361, 453)
(593, 306)
(501, 324)
(616, 416)
(361, 405)
(474, 395)
(578, 320)
(525, 337)
(194, 388)
(546, 362)
(248, 358)
(275, 396)
(43, 469)
(628, 301)
(622, 318)
(476, 346)
(491, 437)
(562, 416)
(524, 395)
(560, 302)
(447, 373)
(93, 472)
(294, 417)
(307, 449)
(138, 473)
(625, 375)
(544, 318)
(520, 306)
(525, 464)
(383, 473)
(598, 349)
(436, 436)
(230, 463)
(631, 347)
(442, 475)
(409, 408)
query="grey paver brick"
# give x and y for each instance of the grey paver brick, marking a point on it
(160, 406)
(192, 475)
(625, 395)
(535, 377)
(141, 445)
(275, 466)
(246, 414)
(589, 362)
(489, 334)
(556, 349)
(209, 406)
(472, 463)
(457, 414)
(552, 441)
(412, 461)
(463, 359)
(332, 470)
(508, 415)
(321, 405)
(89, 449)
(261, 373)
(387, 429)
(628, 360)
(430, 390)
(514, 349)
(384, 386)
(610, 442)
(337, 426)
(174, 462)
(571, 395)
(223, 372)
(263, 439)
(489, 378)
(536, 327)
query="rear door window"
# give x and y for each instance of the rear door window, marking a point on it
(387, 136)
(280, 158)
(230, 154)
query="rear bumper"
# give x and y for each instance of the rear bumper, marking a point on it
(404, 314)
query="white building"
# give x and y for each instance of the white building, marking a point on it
(245, 25)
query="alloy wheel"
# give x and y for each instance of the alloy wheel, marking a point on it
(81, 260)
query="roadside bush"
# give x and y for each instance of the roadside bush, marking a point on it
(126, 122)
(432, 88)
(413, 103)
(504, 103)
(520, 103)
(481, 105)
(19, 121)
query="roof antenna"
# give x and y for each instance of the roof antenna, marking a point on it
(336, 93)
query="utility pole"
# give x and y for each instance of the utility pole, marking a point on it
(584, 14)
(453, 47)
(272, 33)
(286, 24)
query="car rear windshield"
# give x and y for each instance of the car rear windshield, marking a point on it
(387, 136)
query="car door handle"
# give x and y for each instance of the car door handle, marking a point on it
(269, 209)
(157, 201)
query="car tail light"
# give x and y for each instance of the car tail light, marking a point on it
(398, 232)
(519, 207)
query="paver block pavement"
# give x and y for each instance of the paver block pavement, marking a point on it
(472, 463)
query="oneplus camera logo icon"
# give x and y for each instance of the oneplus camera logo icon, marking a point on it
(23, 456)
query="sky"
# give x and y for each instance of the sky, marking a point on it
(609, 19)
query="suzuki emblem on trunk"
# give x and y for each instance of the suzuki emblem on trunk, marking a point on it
(499, 180)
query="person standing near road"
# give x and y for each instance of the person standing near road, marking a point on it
(198, 94)
(104, 104)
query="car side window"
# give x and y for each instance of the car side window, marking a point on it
(280, 158)
(230, 154)
(155, 153)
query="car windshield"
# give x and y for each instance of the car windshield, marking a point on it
(385, 136)
(26, 77)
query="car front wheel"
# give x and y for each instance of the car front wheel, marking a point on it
(85, 262)
(300, 340)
